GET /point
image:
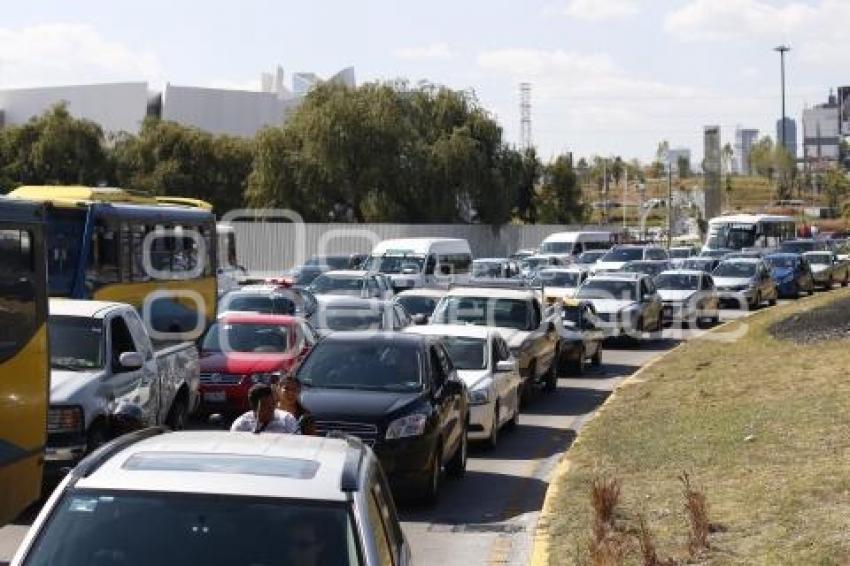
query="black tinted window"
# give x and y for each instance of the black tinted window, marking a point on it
(17, 291)
(363, 364)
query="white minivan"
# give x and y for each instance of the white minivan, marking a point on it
(422, 262)
(573, 244)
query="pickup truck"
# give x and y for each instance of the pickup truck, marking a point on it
(106, 378)
(827, 269)
(531, 329)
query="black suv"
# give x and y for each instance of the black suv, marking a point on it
(400, 394)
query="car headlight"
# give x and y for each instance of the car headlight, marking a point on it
(65, 419)
(264, 378)
(410, 425)
(481, 395)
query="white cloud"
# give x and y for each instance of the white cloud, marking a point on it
(433, 52)
(817, 30)
(67, 53)
(598, 10)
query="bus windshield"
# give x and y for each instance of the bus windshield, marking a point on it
(733, 236)
(394, 264)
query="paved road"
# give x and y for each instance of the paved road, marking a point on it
(489, 516)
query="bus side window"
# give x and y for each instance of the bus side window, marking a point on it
(430, 265)
(137, 232)
(126, 252)
(17, 291)
(104, 261)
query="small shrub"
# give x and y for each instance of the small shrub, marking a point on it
(696, 508)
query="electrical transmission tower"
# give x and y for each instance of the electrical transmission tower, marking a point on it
(525, 115)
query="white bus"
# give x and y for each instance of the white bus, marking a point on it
(739, 231)
(422, 262)
(575, 243)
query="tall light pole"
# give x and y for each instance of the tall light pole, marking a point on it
(783, 49)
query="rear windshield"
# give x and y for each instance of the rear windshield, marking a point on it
(819, 258)
(485, 311)
(608, 289)
(467, 353)
(333, 317)
(245, 337)
(76, 342)
(343, 284)
(677, 282)
(418, 305)
(557, 278)
(781, 261)
(363, 364)
(588, 258)
(735, 269)
(141, 529)
(263, 304)
(624, 254)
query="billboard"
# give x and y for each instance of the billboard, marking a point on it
(844, 110)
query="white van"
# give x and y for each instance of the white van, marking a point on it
(422, 262)
(574, 244)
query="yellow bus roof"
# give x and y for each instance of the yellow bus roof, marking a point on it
(80, 195)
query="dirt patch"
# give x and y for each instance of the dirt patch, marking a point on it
(830, 322)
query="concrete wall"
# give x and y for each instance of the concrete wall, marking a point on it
(117, 107)
(274, 247)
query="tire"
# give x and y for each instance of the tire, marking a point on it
(796, 293)
(514, 420)
(772, 302)
(577, 367)
(550, 384)
(178, 415)
(431, 490)
(456, 467)
(596, 360)
(756, 302)
(493, 439)
(846, 280)
(527, 385)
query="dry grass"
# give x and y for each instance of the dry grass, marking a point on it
(648, 550)
(696, 509)
(764, 430)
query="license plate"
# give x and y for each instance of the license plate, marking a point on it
(215, 396)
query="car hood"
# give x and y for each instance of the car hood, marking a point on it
(559, 292)
(65, 385)
(609, 265)
(612, 305)
(356, 405)
(243, 364)
(732, 281)
(513, 337)
(472, 377)
(676, 295)
(782, 272)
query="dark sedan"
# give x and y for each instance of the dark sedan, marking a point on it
(401, 395)
(792, 274)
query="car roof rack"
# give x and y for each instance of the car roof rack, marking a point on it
(96, 459)
(354, 456)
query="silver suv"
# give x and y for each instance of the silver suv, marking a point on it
(213, 497)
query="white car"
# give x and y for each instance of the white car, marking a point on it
(352, 283)
(560, 283)
(625, 303)
(619, 256)
(688, 297)
(484, 362)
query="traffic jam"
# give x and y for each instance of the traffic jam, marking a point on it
(315, 401)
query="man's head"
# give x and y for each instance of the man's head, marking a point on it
(261, 398)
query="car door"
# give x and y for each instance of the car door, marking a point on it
(454, 425)
(161, 391)
(126, 385)
(443, 401)
(501, 380)
(651, 305)
(546, 335)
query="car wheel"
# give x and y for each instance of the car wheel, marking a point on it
(577, 367)
(514, 420)
(493, 439)
(457, 465)
(844, 283)
(178, 416)
(596, 360)
(795, 294)
(432, 481)
(756, 302)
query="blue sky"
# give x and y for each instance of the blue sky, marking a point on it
(609, 76)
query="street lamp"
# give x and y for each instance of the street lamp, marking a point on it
(783, 49)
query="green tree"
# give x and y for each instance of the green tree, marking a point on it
(558, 198)
(169, 159)
(836, 187)
(53, 149)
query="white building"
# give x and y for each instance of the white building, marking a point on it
(821, 138)
(121, 107)
(677, 153)
(745, 139)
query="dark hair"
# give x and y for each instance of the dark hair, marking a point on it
(257, 393)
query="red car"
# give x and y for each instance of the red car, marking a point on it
(242, 349)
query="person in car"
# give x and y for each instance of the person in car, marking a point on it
(289, 400)
(264, 416)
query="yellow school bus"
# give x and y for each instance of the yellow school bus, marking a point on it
(110, 244)
(24, 359)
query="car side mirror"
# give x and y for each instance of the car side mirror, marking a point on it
(506, 366)
(453, 387)
(130, 360)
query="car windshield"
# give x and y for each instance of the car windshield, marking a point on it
(608, 289)
(246, 337)
(392, 365)
(735, 269)
(589, 258)
(344, 318)
(467, 353)
(556, 247)
(76, 342)
(481, 269)
(141, 529)
(417, 304)
(799, 247)
(396, 264)
(677, 282)
(337, 285)
(824, 258)
(624, 254)
(697, 264)
(485, 311)
(329, 262)
(645, 267)
(557, 278)
(680, 253)
(782, 261)
(251, 302)
(536, 262)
